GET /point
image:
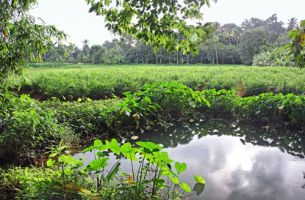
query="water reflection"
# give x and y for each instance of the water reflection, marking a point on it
(287, 140)
(238, 161)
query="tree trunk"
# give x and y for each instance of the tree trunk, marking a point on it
(216, 54)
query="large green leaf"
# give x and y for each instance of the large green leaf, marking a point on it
(97, 164)
(180, 167)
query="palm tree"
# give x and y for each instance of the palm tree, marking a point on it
(292, 24)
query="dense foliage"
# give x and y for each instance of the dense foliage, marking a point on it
(155, 104)
(160, 23)
(99, 82)
(229, 44)
(297, 45)
(278, 56)
(264, 108)
(21, 36)
(27, 129)
(154, 175)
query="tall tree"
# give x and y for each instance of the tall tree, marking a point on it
(297, 45)
(292, 24)
(252, 23)
(251, 43)
(85, 54)
(21, 36)
(96, 54)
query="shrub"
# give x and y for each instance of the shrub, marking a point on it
(27, 128)
(221, 102)
(278, 56)
(286, 109)
(86, 117)
(153, 104)
(166, 100)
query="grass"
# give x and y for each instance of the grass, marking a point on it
(94, 81)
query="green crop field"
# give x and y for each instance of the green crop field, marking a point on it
(74, 81)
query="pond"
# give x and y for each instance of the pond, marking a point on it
(238, 161)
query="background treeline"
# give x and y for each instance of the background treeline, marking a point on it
(255, 41)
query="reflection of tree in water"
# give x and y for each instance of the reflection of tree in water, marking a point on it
(287, 140)
(303, 186)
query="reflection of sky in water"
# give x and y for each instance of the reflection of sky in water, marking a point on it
(237, 171)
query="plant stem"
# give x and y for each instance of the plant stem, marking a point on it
(133, 174)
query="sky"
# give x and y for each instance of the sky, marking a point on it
(72, 16)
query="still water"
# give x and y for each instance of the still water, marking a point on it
(238, 161)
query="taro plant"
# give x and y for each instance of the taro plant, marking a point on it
(153, 174)
(164, 102)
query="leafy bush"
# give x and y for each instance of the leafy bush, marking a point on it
(27, 128)
(278, 56)
(114, 55)
(297, 45)
(86, 117)
(221, 102)
(165, 100)
(154, 104)
(267, 107)
(159, 104)
(288, 109)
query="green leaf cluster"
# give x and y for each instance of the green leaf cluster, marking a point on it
(297, 45)
(160, 23)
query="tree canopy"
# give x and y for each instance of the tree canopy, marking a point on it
(21, 36)
(297, 45)
(161, 23)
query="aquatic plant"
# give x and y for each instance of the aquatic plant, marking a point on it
(154, 175)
